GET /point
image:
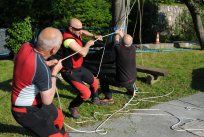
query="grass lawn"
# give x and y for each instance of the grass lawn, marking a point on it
(186, 73)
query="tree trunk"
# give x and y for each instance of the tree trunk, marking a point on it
(119, 16)
(194, 10)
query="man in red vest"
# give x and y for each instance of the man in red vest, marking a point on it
(73, 72)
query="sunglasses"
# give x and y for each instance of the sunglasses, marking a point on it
(77, 29)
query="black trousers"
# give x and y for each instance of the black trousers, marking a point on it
(76, 78)
(39, 120)
(110, 79)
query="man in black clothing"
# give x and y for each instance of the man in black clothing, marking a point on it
(125, 67)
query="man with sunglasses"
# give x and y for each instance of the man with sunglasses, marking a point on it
(73, 72)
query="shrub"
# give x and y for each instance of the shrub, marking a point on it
(19, 32)
(184, 28)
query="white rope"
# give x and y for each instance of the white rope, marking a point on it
(190, 130)
(140, 30)
(127, 14)
(59, 101)
(85, 131)
(157, 96)
(135, 90)
(121, 111)
(105, 36)
(133, 34)
(173, 127)
(99, 68)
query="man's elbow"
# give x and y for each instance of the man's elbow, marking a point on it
(47, 97)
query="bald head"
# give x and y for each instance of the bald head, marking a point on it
(76, 23)
(49, 38)
(127, 40)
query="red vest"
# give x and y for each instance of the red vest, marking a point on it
(77, 59)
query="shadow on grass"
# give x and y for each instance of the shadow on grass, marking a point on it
(6, 85)
(67, 87)
(62, 86)
(119, 91)
(67, 114)
(142, 79)
(6, 128)
(197, 79)
(65, 96)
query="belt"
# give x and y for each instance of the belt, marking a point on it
(21, 109)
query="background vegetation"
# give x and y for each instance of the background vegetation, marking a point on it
(19, 32)
(95, 15)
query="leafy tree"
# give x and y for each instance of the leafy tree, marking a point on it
(19, 32)
(184, 27)
(93, 13)
(12, 10)
(195, 7)
(56, 13)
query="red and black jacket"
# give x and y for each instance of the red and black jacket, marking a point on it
(75, 61)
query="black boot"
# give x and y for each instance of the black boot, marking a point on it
(94, 97)
(73, 107)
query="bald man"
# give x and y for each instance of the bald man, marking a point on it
(73, 72)
(34, 85)
(125, 67)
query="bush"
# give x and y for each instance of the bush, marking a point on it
(184, 28)
(19, 32)
(92, 13)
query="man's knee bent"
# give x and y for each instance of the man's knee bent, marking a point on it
(94, 85)
(59, 121)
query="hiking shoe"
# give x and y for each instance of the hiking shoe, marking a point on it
(74, 112)
(107, 100)
(96, 101)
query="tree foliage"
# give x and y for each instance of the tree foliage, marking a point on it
(19, 32)
(56, 12)
(44, 13)
(184, 29)
(150, 22)
(92, 13)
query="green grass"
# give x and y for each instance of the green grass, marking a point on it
(186, 73)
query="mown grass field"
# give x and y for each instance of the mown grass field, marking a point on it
(186, 74)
